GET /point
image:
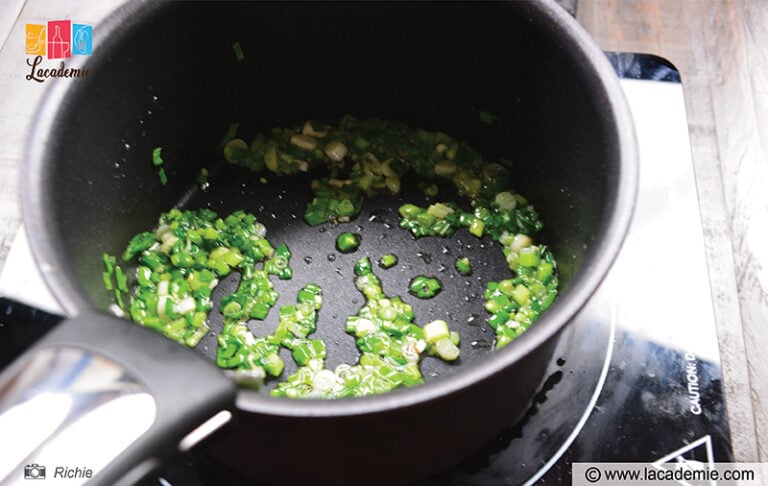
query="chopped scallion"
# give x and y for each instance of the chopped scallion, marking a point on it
(162, 176)
(238, 51)
(347, 242)
(157, 158)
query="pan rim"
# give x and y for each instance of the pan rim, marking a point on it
(558, 24)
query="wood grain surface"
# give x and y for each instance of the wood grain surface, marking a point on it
(721, 50)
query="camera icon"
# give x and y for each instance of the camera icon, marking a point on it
(34, 471)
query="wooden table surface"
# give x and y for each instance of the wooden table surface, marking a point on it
(721, 50)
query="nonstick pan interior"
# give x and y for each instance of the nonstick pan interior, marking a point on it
(279, 203)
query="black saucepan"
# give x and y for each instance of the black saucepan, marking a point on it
(165, 74)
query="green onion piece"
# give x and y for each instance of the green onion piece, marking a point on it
(109, 262)
(162, 176)
(345, 208)
(347, 242)
(439, 210)
(363, 266)
(521, 294)
(477, 227)
(274, 365)
(502, 340)
(445, 168)
(507, 287)
(238, 51)
(236, 150)
(119, 299)
(109, 271)
(388, 261)
(529, 256)
(545, 271)
(424, 287)
(446, 350)
(139, 243)
(497, 303)
(436, 330)
(283, 251)
(463, 266)
(455, 338)
(121, 280)
(195, 337)
(505, 201)
(314, 218)
(157, 159)
(107, 277)
(409, 211)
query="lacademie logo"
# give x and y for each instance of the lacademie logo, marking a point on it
(58, 39)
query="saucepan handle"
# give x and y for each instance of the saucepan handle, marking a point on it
(100, 399)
